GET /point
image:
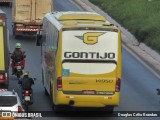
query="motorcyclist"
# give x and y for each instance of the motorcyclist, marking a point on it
(18, 56)
(26, 84)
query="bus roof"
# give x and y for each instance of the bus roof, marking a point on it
(61, 16)
(61, 19)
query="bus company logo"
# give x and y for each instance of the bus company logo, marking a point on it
(90, 38)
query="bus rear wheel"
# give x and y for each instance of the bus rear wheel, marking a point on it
(46, 92)
(58, 108)
(55, 108)
(109, 109)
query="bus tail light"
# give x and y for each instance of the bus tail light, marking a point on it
(118, 84)
(1, 76)
(59, 83)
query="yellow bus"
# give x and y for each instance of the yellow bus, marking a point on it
(4, 50)
(81, 60)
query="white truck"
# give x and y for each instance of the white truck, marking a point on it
(28, 16)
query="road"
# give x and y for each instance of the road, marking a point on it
(137, 87)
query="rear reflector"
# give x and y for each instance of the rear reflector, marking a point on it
(59, 83)
(19, 109)
(118, 84)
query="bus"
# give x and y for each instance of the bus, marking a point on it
(81, 60)
(4, 50)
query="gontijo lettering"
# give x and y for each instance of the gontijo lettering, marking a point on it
(89, 55)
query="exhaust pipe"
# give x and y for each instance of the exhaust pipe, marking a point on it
(71, 102)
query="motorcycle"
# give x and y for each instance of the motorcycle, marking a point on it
(27, 98)
(18, 69)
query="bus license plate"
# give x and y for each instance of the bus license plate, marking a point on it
(27, 98)
(89, 92)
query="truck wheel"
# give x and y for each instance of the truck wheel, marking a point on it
(16, 36)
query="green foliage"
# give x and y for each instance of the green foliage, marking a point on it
(140, 17)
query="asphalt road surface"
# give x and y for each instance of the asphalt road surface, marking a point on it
(137, 88)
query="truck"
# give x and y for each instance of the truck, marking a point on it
(28, 16)
(4, 50)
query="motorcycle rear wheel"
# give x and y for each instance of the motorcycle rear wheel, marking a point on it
(26, 107)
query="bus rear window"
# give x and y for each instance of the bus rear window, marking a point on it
(89, 66)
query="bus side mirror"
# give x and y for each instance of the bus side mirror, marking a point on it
(39, 38)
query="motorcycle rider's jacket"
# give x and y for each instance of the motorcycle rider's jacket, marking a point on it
(26, 83)
(18, 55)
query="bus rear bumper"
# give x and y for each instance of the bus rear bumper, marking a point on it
(87, 100)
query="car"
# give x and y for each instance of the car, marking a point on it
(10, 101)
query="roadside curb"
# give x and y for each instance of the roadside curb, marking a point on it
(148, 55)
